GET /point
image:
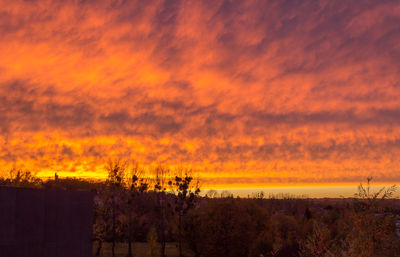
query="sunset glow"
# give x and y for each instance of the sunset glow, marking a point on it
(245, 93)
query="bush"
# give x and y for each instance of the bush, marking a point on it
(226, 227)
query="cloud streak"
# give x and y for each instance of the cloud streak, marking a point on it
(284, 91)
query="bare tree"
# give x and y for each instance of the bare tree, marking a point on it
(369, 199)
(20, 178)
(161, 177)
(185, 195)
(137, 186)
(115, 186)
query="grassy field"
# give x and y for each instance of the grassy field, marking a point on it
(138, 249)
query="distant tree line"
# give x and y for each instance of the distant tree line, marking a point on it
(131, 206)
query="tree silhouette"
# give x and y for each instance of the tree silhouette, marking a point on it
(161, 177)
(115, 185)
(185, 196)
(20, 178)
(136, 187)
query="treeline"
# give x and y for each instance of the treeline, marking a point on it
(166, 207)
(130, 205)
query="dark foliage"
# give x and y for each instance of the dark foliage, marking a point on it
(130, 208)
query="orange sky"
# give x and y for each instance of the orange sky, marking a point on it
(246, 93)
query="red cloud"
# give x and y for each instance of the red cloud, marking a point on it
(278, 91)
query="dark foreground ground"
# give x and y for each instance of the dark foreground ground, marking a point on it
(139, 250)
(214, 225)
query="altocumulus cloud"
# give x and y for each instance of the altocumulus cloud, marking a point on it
(242, 91)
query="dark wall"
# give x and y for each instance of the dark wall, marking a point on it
(45, 223)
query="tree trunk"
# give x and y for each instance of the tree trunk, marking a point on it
(163, 248)
(180, 234)
(129, 247)
(113, 248)
(162, 238)
(99, 246)
(162, 226)
(130, 236)
(113, 229)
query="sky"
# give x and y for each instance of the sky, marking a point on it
(244, 93)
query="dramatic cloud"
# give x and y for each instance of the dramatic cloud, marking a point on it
(244, 92)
